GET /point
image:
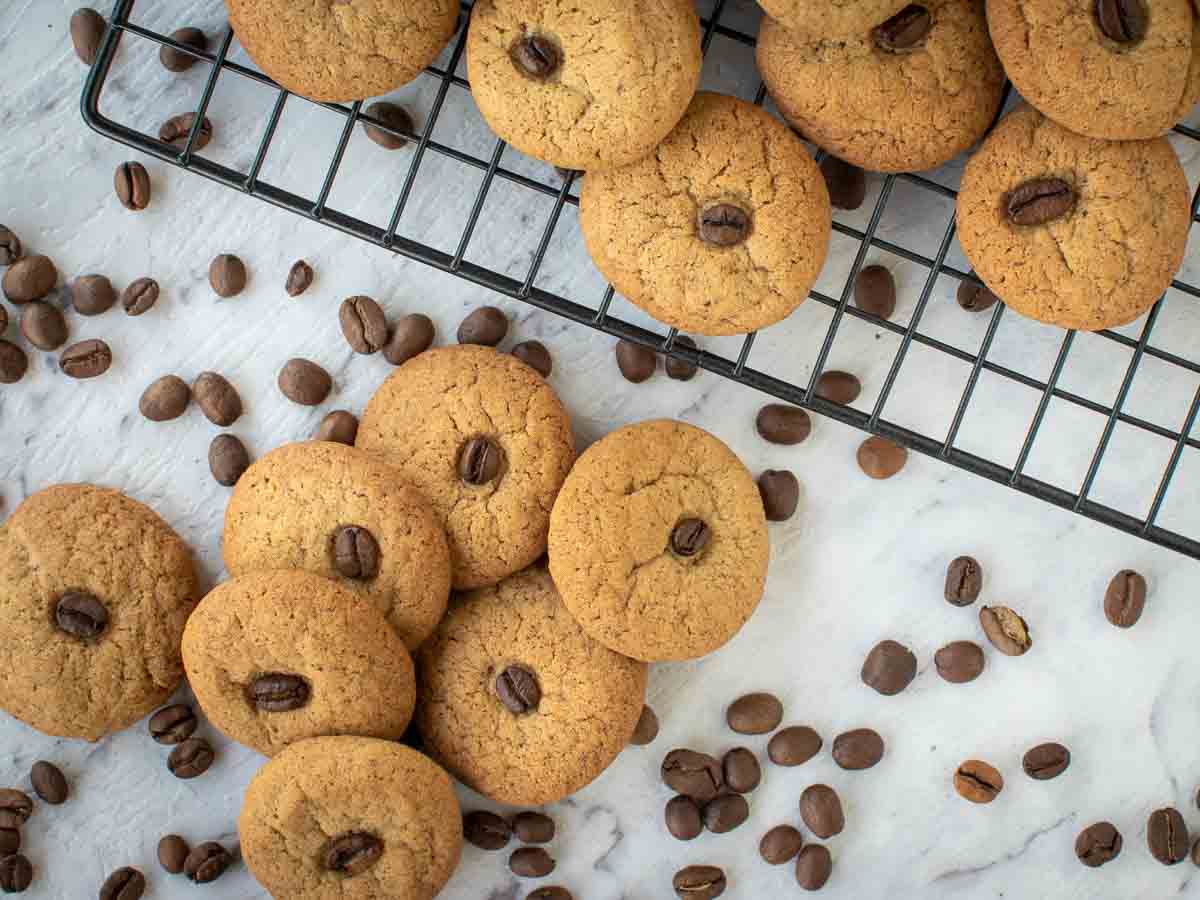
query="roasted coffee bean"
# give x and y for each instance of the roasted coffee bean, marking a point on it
(1125, 598)
(1046, 761)
(906, 30)
(49, 783)
(165, 399)
(352, 853)
(227, 275)
(363, 324)
(140, 296)
(81, 615)
(680, 369)
(86, 359)
(126, 883)
(682, 816)
(875, 291)
(636, 362)
(725, 812)
(131, 182)
(339, 427)
(699, 883)
(814, 865)
(176, 129)
(535, 355)
(846, 182)
(858, 749)
(411, 335)
(793, 746)
(173, 724)
(964, 581)
(740, 770)
(173, 853)
(13, 363)
(1039, 201)
(838, 387)
(43, 325)
(889, 668)
(1122, 21)
(393, 117)
(278, 692)
(821, 810)
(1196, 852)
(879, 458)
(15, 808)
(778, 423)
(978, 781)
(479, 461)
(975, 297)
(535, 56)
(549, 893)
(724, 225)
(533, 828)
(10, 841)
(780, 845)
(92, 295)
(1007, 631)
(486, 830)
(695, 775)
(175, 60)
(646, 729)
(10, 246)
(207, 862)
(780, 493)
(1167, 836)
(16, 874)
(190, 758)
(217, 399)
(518, 690)
(228, 459)
(758, 713)
(690, 537)
(486, 326)
(531, 862)
(960, 661)
(87, 30)
(299, 279)
(304, 382)
(29, 278)
(1098, 844)
(4, 319)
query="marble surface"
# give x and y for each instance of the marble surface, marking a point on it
(862, 561)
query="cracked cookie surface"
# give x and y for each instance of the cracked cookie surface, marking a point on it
(831, 18)
(78, 537)
(1099, 266)
(286, 511)
(643, 223)
(357, 675)
(610, 542)
(888, 111)
(421, 420)
(321, 789)
(590, 697)
(625, 74)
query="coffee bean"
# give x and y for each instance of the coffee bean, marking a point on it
(126, 883)
(740, 770)
(190, 758)
(393, 117)
(15, 808)
(535, 355)
(875, 291)
(838, 387)
(518, 690)
(1196, 852)
(486, 830)
(81, 614)
(1125, 598)
(227, 275)
(86, 359)
(682, 816)
(531, 862)
(208, 861)
(780, 493)
(879, 458)
(1046, 761)
(726, 812)
(228, 459)
(479, 461)
(906, 30)
(861, 748)
(680, 369)
(1122, 21)
(352, 853)
(889, 668)
(29, 278)
(699, 883)
(814, 865)
(780, 845)
(758, 713)
(636, 362)
(964, 581)
(724, 225)
(1098, 844)
(846, 183)
(49, 783)
(533, 828)
(1167, 836)
(92, 295)
(486, 326)
(4, 319)
(1007, 631)
(960, 661)
(299, 279)
(87, 30)
(16, 874)
(646, 729)
(695, 775)
(173, 724)
(975, 297)
(304, 382)
(43, 325)
(339, 427)
(175, 60)
(13, 363)
(10, 246)
(278, 692)
(363, 324)
(411, 335)
(131, 182)
(10, 841)
(165, 399)
(172, 853)
(821, 810)
(978, 781)
(176, 129)
(778, 423)
(140, 296)
(1039, 201)
(793, 746)
(689, 538)
(549, 893)
(535, 56)
(217, 399)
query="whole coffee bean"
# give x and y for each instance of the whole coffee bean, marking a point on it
(173, 724)
(1007, 631)
(304, 382)
(172, 853)
(139, 297)
(531, 862)
(10, 246)
(1046, 761)
(278, 692)
(49, 783)
(217, 399)
(1167, 836)
(411, 335)
(740, 770)
(1098, 844)
(1122, 21)
(190, 758)
(486, 326)
(682, 817)
(793, 746)
(780, 845)
(964, 581)
(518, 690)
(861, 748)
(1039, 201)
(905, 31)
(724, 225)
(978, 781)
(533, 828)
(207, 862)
(975, 297)
(680, 369)
(778, 423)
(636, 362)
(363, 324)
(227, 275)
(81, 614)
(646, 729)
(758, 713)
(838, 387)
(889, 668)
(814, 865)
(87, 30)
(1125, 598)
(4, 319)
(175, 60)
(126, 883)
(847, 183)
(875, 291)
(879, 458)
(821, 810)
(536, 56)
(176, 129)
(725, 812)
(228, 459)
(479, 461)
(43, 325)
(486, 830)
(352, 853)
(15, 808)
(29, 278)
(10, 841)
(1196, 852)
(13, 363)
(780, 493)
(695, 775)
(699, 883)
(393, 117)
(92, 295)
(299, 279)
(16, 874)
(86, 359)
(689, 538)
(960, 661)
(339, 427)
(131, 182)
(549, 893)
(165, 399)
(535, 355)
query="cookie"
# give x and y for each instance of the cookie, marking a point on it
(583, 86)
(487, 442)
(94, 593)
(658, 542)
(351, 817)
(1094, 71)
(1070, 230)
(904, 96)
(277, 657)
(517, 701)
(342, 513)
(831, 19)
(343, 50)
(723, 230)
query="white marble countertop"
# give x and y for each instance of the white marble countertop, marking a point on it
(862, 561)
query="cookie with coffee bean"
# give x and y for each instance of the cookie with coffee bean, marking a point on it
(831, 19)
(95, 590)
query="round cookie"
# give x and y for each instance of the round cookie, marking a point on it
(831, 19)
(277, 657)
(343, 50)
(1094, 249)
(723, 230)
(351, 817)
(583, 86)
(658, 542)
(486, 440)
(905, 109)
(94, 593)
(517, 701)
(1064, 62)
(342, 513)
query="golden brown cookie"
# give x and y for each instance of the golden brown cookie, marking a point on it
(517, 701)
(583, 86)
(344, 514)
(277, 657)
(94, 593)
(658, 542)
(831, 19)
(1070, 230)
(343, 50)
(723, 230)
(486, 440)
(351, 817)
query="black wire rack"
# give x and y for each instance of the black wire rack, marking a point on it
(738, 365)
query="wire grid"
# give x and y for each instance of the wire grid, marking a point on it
(737, 368)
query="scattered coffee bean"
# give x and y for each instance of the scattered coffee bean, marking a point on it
(875, 291)
(553, 892)
(725, 812)
(838, 387)
(978, 781)
(1046, 761)
(964, 581)
(173, 724)
(207, 862)
(861, 748)
(16, 874)
(131, 182)
(533, 828)
(682, 816)
(740, 770)
(13, 363)
(1039, 201)
(393, 117)
(646, 729)
(699, 883)
(191, 758)
(636, 362)
(15, 808)
(43, 325)
(906, 30)
(410, 336)
(1196, 852)
(175, 60)
(689, 538)
(479, 461)
(535, 56)
(793, 746)
(778, 423)
(173, 853)
(847, 183)
(1125, 598)
(518, 690)
(680, 369)
(339, 427)
(176, 129)
(1122, 21)
(80, 615)
(758, 713)
(10, 246)
(363, 324)
(139, 297)
(724, 225)
(10, 841)
(1098, 844)
(814, 865)
(304, 382)
(1167, 836)
(695, 775)
(486, 830)
(780, 493)
(86, 359)
(889, 668)
(29, 278)
(486, 325)
(227, 275)
(975, 297)
(1007, 631)
(217, 399)
(780, 845)
(165, 399)
(299, 279)
(92, 295)
(531, 862)
(960, 661)
(228, 459)
(49, 783)
(821, 810)
(535, 355)
(87, 30)
(278, 692)
(126, 883)
(879, 458)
